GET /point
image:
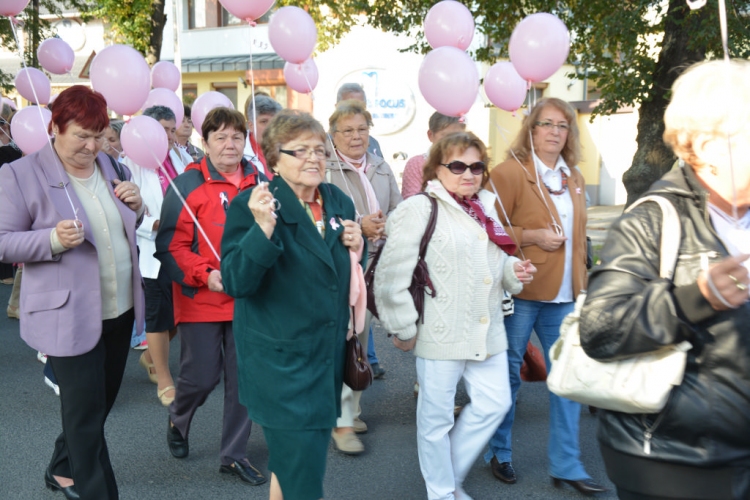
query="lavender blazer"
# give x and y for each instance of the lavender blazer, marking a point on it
(60, 305)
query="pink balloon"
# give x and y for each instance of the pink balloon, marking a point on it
(10, 103)
(301, 77)
(165, 97)
(11, 8)
(449, 80)
(121, 75)
(539, 46)
(449, 23)
(205, 103)
(292, 34)
(145, 142)
(29, 128)
(56, 56)
(33, 85)
(504, 86)
(165, 74)
(249, 10)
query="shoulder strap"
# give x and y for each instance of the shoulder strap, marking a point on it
(671, 234)
(430, 228)
(118, 168)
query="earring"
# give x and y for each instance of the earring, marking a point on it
(714, 170)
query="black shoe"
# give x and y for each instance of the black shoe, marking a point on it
(503, 471)
(178, 445)
(51, 483)
(244, 471)
(377, 371)
(585, 486)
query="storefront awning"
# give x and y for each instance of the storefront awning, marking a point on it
(231, 63)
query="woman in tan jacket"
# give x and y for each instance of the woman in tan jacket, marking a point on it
(543, 195)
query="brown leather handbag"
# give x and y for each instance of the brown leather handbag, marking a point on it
(420, 280)
(533, 368)
(357, 370)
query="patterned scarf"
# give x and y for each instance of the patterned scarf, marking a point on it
(495, 231)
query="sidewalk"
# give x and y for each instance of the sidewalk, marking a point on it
(599, 219)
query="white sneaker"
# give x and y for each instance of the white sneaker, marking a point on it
(52, 385)
(41, 357)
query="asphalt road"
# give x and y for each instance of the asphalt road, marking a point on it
(136, 433)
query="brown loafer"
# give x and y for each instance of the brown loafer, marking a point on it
(503, 471)
(585, 486)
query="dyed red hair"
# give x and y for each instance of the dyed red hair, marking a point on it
(81, 105)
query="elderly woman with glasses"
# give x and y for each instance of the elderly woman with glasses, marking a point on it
(462, 335)
(288, 251)
(544, 197)
(370, 183)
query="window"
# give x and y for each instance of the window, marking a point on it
(210, 14)
(535, 93)
(228, 89)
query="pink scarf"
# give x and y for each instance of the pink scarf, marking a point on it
(357, 295)
(372, 199)
(172, 174)
(495, 231)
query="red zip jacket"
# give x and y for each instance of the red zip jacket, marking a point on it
(182, 249)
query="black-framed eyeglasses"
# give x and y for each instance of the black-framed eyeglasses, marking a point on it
(459, 167)
(562, 127)
(305, 153)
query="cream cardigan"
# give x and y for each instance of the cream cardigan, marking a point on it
(469, 272)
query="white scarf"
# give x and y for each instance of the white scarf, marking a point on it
(372, 199)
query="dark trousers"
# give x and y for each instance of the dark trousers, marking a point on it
(207, 349)
(89, 384)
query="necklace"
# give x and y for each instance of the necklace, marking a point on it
(563, 188)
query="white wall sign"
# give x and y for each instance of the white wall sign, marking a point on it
(389, 100)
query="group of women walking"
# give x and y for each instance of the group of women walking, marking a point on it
(228, 241)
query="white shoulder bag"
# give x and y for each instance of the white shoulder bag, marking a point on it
(638, 384)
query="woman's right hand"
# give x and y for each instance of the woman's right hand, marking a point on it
(262, 206)
(546, 239)
(373, 226)
(69, 233)
(731, 281)
(405, 345)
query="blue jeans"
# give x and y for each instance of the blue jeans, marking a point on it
(371, 356)
(563, 451)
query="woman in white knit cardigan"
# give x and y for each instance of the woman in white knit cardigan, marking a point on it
(463, 335)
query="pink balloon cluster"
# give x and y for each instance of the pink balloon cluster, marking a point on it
(449, 80)
(249, 10)
(10, 8)
(33, 85)
(539, 46)
(205, 103)
(121, 75)
(145, 142)
(449, 23)
(29, 128)
(293, 36)
(56, 56)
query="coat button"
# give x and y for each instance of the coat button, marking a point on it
(334, 288)
(483, 236)
(332, 324)
(484, 320)
(328, 361)
(488, 280)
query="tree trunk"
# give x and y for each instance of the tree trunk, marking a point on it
(34, 62)
(158, 21)
(654, 158)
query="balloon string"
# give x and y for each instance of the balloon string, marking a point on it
(309, 85)
(41, 117)
(725, 46)
(187, 207)
(252, 82)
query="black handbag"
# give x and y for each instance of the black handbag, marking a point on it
(420, 281)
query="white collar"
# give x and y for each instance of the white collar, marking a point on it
(543, 169)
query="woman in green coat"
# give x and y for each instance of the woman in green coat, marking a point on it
(286, 259)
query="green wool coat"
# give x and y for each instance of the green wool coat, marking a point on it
(291, 312)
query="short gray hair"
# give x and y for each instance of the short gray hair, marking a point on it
(439, 121)
(159, 113)
(350, 88)
(116, 125)
(263, 104)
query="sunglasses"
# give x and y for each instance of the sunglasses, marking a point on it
(459, 167)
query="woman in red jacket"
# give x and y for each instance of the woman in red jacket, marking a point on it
(203, 312)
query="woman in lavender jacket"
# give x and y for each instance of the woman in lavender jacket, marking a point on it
(70, 213)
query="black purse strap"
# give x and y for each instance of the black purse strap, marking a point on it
(429, 229)
(118, 168)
